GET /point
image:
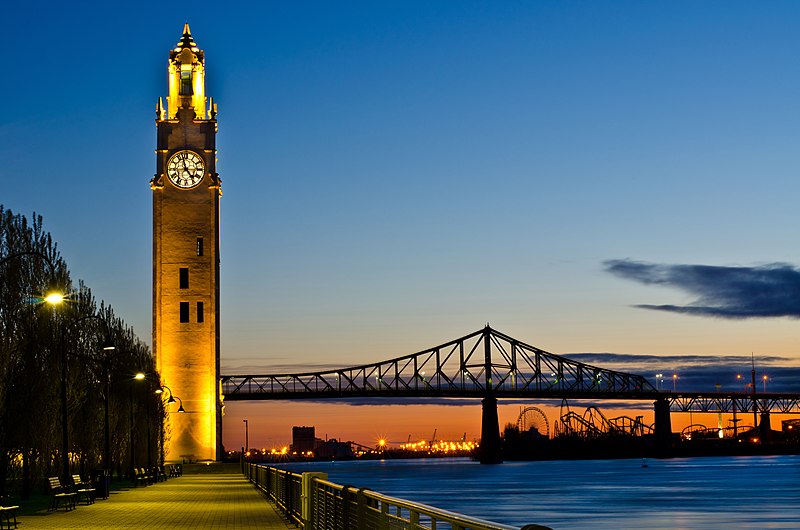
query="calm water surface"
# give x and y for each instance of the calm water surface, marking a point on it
(691, 493)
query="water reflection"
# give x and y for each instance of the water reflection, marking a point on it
(689, 493)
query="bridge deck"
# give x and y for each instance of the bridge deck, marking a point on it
(187, 502)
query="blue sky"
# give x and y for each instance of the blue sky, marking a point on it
(397, 174)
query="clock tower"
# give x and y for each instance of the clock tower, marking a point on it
(186, 191)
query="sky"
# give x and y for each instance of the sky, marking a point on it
(588, 177)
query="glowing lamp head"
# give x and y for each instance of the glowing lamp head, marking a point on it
(139, 376)
(54, 298)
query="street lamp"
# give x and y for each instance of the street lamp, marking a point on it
(172, 399)
(659, 378)
(674, 382)
(765, 383)
(54, 298)
(107, 346)
(246, 438)
(139, 376)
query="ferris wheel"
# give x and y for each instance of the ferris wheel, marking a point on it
(533, 419)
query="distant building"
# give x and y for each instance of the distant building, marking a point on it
(303, 439)
(791, 428)
(334, 449)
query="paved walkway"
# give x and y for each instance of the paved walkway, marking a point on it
(192, 502)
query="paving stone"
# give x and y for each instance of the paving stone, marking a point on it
(191, 501)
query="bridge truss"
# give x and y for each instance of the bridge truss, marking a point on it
(482, 363)
(734, 402)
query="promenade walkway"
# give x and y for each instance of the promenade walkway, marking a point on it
(192, 502)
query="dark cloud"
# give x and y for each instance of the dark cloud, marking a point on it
(702, 373)
(771, 290)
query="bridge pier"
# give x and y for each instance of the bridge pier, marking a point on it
(765, 427)
(490, 451)
(663, 427)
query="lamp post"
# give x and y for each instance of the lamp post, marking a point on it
(53, 297)
(172, 399)
(755, 401)
(674, 382)
(107, 346)
(246, 438)
(138, 377)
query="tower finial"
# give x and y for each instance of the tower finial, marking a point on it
(186, 40)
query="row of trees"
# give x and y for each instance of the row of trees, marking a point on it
(40, 345)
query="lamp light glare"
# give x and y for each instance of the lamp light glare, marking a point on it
(54, 298)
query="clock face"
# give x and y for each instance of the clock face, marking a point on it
(185, 169)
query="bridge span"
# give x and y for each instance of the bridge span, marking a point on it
(487, 364)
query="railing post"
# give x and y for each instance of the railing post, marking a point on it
(384, 523)
(362, 516)
(308, 498)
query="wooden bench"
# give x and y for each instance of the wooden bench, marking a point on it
(61, 495)
(8, 516)
(140, 477)
(161, 475)
(83, 490)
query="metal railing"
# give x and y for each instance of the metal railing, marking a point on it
(314, 503)
(283, 487)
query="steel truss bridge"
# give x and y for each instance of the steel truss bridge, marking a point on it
(775, 403)
(489, 365)
(482, 362)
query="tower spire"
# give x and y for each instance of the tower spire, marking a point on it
(186, 40)
(186, 77)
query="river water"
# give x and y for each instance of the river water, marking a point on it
(754, 492)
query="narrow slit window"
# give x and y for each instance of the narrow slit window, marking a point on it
(199, 246)
(200, 315)
(184, 277)
(184, 311)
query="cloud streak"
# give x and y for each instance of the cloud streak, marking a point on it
(703, 373)
(765, 291)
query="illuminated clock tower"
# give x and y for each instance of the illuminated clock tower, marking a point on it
(186, 191)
